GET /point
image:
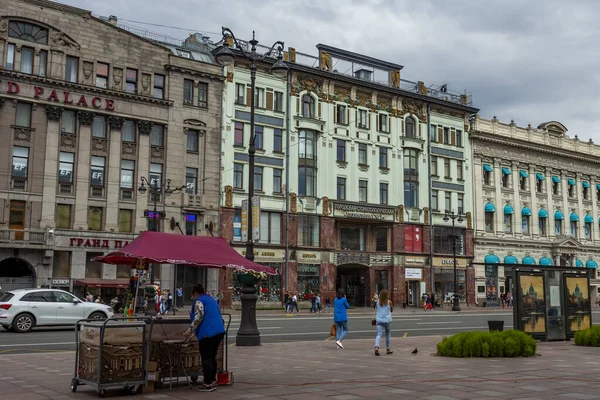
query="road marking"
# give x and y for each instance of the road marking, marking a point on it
(373, 331)
(35, 344)
(329, 338)
(442, 322)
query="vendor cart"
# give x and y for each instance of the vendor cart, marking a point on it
(111, 354)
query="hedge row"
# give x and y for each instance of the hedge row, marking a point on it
(588, 337)
(509, 343)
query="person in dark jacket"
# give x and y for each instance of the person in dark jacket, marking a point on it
(207, 325)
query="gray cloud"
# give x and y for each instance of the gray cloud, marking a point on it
(531, 61)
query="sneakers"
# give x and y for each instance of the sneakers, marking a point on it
(206, 388)
(339, 344)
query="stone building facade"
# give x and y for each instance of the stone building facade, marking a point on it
(88, 109)
(536, 201)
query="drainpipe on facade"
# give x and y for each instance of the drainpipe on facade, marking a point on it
(287, 181)
(431, 272)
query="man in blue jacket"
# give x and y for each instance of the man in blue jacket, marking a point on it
(207, 325)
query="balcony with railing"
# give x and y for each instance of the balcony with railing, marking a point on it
(22, 237)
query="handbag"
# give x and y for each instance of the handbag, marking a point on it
(374, 321)
(332, 330)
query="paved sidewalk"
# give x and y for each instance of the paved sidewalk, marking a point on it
(317, 370)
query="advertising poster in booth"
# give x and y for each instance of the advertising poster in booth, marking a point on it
(532, 302)
(578, 304)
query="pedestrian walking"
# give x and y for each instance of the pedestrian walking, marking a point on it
(170, 306)
(163, 303)
(286, 300)
(340, 317)
(313, 303)
(383, 320)
(374, 301)
(327, 305)
(318, 303)
(294, 304)
(179, 297)
(207, 325)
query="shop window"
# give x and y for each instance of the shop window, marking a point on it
(308, 230)
(125, 220)
(94, 218)
(270, 227)
(352, 238)
(61, 265)
(444, 283)
(124, 272)
(308, 280)
(381, 280)
(63, 216)
(381, 239)
(93, 269)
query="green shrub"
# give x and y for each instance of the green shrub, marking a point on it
(588, 337)
(490, 344)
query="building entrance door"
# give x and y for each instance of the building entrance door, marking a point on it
(413, 293)
(354, 280)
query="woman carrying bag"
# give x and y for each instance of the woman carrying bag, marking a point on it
(383, 320)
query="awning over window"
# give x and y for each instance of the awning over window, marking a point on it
(546, 261)
(99, 282)
(492, 259)
(508, 210)
(506, 171)
(487, 168)
(574, 217)
(543, 213)
(523, 173)
(571, 181)
(585, 184)
(579, 264)
(526, 211)
(489, 208)
(589, 219)
(528, 260)
(597, 186)
(591, 264)
(539, 177)
(558, 215)
(555, 179)
(511, 260)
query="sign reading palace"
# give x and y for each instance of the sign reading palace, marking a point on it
(363, 212)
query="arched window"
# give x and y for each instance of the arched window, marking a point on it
(308, 106)
(409, 128)
(28, 32)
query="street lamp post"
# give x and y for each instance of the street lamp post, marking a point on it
(450, 215)
(156, 189)
(248, 334)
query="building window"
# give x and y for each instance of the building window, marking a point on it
(131, 81)
(102, 75)
(434, 165)
(557, 226)
(157, 136)
(411, 194)
(72, 69)
(308, 106)
(20, 162)
(61, 265)
(188, 91)
(159, 86)
(539, 186)
(342, 114)
(93, 269)
(307, 181)
(383, 123)
(258, 178)
(16, 217)
(270, 227)
(433, 134)
(43, 62)
(277, 140)
(29, 32)
(447, 168)
(459, 170)
(191, 224)
(487, 177)
(240, 93)
(362, 191)
(571, 192)
(443, 245)
(26, 60)
(341, 150)
(127, 132)
(97, 171)
(489, 222)
(362, 154)
(588, 230)
(410, 130)
(363, 119)
(446, 135)
(434, 200)
(308, 230)
(63, 216)
(127, 174)
(574, 229)
(66, 166)
(411, 178)
(23, 115)
(381, 239)
(447, 201)
(10, 57)
(383, 157)
(258, 137)
(192, 136)
(238, 176)
(341, 188)
(259, 97)
(505, 179)
(556, 188)
(94, 218)
(203, 95)
(278, 102)
(307, 145)
(585, 190)
(460, 208)
(542, 226)
(411, 165)
(507, 223)
(156, 172)
(523, 183)
(277, 174)
(352, 238)
(459, 138)
(99, 126)
(191, 180)
(238, 134)
(383, 193)
(125, 220)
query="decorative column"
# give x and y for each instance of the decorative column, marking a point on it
(86, 119)
(499, 214)
(114, 172)
(479, 200)
(53, 115)
(143, 168)
(580, 211)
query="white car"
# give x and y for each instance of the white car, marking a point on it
(24, 309)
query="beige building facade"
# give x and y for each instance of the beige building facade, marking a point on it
(88, 109)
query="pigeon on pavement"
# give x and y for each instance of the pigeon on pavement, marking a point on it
(415, 351)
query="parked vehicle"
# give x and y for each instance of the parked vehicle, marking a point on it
(23, 309)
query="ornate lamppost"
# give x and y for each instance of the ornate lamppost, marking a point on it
(450, 215)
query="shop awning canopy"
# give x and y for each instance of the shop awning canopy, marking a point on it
(487, 168)
(574, 217)
(558, 215)
(508, 210)
(589, 219)
(489, 208)
(540, 177)
(526, 211)
(555, 179)
(528, 260)
(543, 213)
(99, 282)
(523, 174)
(591, 264)
(585, 184)
(571, 181)
(511, 260)
(579, 264)
(167, 248)
(506, 171)
(546, 261)
(492, 259)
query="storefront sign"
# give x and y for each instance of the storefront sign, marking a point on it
(308, 258)
(413, 273)
(414, 260)
(64, 97)
(448, 262)
(363, 212)
(270, 254)
(60, 282)
(307, 269)
(98, 243)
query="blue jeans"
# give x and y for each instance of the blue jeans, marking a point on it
(341, 330)
(388, 334)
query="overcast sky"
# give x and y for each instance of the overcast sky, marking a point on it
(531, 61)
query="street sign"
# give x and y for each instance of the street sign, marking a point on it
(244, 220)
(255, 218)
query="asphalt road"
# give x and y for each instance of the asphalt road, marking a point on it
(282, 328)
